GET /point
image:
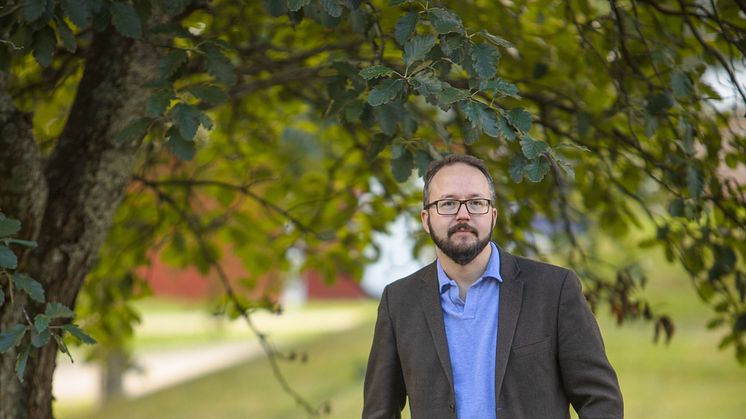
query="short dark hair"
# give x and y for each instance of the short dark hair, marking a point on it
(450, 160)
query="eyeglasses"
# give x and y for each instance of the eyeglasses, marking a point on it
(453, 206)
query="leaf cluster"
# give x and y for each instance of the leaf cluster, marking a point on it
(51, 324)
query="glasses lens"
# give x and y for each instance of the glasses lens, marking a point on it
(477, 206)
(448, 206)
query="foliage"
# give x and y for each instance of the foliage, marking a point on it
(51, 324)
(277, 128)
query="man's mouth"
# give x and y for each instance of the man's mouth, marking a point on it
(462, 228)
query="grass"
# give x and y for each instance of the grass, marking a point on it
(689, 378)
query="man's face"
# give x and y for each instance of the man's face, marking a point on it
(461, 236)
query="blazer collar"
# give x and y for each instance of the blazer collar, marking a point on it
(511, 298)
(429, 296)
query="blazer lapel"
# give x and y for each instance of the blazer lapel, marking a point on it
(430, 302)
(511, 295)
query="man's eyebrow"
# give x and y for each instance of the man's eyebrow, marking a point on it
(470, 196)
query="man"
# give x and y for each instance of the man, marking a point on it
(481, 333)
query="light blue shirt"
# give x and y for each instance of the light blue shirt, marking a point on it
(471, 332)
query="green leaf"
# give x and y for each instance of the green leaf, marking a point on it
(504, 129)
(8, 259)
(213, 95)
(536, 169)
(658, 103)
(33, 9)
(422, 161)
(21, 363)
(375, 72)
(187, 119)
(532, 148)
(134, 130)
(39, 339)
(402, 166)
(24, 243)
(354, 110)
(694, 182)
(29, 285)
(520, 119)
(405, 27)
(740, 324)
(450, 95)
(125, 19)
(12, 337)
(388, 118)
(397, 2)
(78, 12)
(219, 66)
(158, 102)
(687, 135)
(471, 133)
(681, 84)
(79, 334)
(376, 146)
(481, 117)
(172, 62)
(276, 8)
(181, 148)
(426, 84)
(397, 150)
(676, 207)
(416, 48)
(9, 226)
(485, 58)
(495, 40)
(566, 167)
(41, 322)
(332, 7)
(45, 42)
(57, 310)
(295, 5)
(445, 21)
(498, 86)
(66, 35)
(2, 297)
(584, 123)
(517, 168)
(385, 91)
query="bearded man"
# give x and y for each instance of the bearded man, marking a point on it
(480, 333)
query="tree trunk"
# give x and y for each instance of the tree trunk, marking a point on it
(67, 203)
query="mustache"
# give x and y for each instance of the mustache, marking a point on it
(465, 226)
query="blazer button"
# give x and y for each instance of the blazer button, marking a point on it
(452, 407)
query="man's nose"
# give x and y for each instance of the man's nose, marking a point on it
(463, 213)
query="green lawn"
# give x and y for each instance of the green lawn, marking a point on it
(689, 378)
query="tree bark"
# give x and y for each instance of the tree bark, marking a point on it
(68, 203)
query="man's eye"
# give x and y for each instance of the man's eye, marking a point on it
(476, 204)
(448, 204)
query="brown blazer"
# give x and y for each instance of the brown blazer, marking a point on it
(549, 349)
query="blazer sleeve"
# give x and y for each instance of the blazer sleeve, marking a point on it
(384, 393)
(588, 378)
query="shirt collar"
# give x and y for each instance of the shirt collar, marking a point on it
(491, 271)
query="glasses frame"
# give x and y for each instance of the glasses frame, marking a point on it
(461, 202)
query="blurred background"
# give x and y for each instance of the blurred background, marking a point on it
(215, 193)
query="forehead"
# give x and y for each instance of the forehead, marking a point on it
(459, 180)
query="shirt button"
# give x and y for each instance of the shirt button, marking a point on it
(452, 407)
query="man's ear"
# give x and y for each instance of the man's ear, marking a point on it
(423, 218)
(494, 218)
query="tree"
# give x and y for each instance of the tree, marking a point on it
(259, 127)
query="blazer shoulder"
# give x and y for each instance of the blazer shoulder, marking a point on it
(532, 269)
(426, 273)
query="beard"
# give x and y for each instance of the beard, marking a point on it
(458, 252)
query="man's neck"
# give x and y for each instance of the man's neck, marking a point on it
(465, 275)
